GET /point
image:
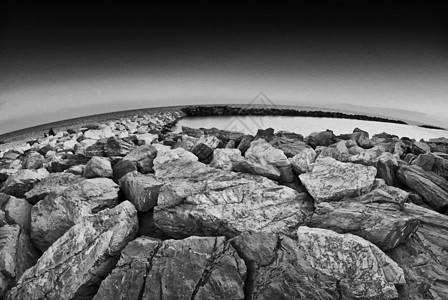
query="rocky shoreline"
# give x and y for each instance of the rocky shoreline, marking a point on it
(127, 209)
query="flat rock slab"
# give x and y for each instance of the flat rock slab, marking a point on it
(73, 267)
(193, 268)
(199, 200)
(361, 268)
(331, 180)
(430, 186)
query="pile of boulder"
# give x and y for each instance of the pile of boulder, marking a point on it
(129, 210)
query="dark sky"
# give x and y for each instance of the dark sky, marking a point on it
(62, 59)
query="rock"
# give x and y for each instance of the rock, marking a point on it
(205, 146)
(409, 157)
(323, 138)
(22, 181)
(17, 211)
(76, 170)
(55, 182)
(144, 157)
(338, 151)
(33, 160)
(425, 161)
(5, 173)
(123, 167)
(224, 135)
(263, 159)
(146, 138)
(106, 132)
(302, 162)
(289, 135)
(16, 255)
(423, 257)
(54, 215)
(376, 217)
(199, 200)
(141, 190)
(193, 268)
(246, 140)
(290, 146)
(420, 148)
(226, 159)
(277, 268)
(366, 273)
(192, 131)
(98, 167)
(265, 134)
(109, 147)
(432, 187)
(438, 145)
(73, 267)
(70, 145)
(387, 166)
(331, 180)
(440, 166)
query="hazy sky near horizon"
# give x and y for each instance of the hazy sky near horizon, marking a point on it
(70, 59)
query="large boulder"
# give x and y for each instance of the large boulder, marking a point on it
(245, 143)
(377, 217)
(205, 146)
(331, 180)
(193, 268)
(323, 138)
(73, 267)
(199, 200)
(22, 181)
(122, 168)
(54, 215)
(263, 159)
(290, 145)
(141, 190)
(17, 254)
(423, 257)
(366, 273)
(430, 186)
(98, 167)
(55, 182)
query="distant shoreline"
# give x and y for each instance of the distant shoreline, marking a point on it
(197, 111)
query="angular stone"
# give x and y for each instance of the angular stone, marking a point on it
(144, 157)
(265, 134)
(22, 181)
(17, 211)
(331, 180)
(263, 159)
(73, 267)
(302, 162)
(432, 187)
(55, 182)
(226, 159)
(53, 216)
(423, 257)
(246, 140)
(205, 146)
(199, 200)
(123, 167)
(224, 135)
(16, 255)
(377, 217)
(141, 190)
(366, 273)
(98, 167)
(425, 161)
(420, 148)
(33, 160)
(290, 146)
(193, 268)
(323, 138)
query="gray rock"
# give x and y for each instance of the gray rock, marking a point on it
(205, 146)
(226, 159)
(22, 181)
(98, 167)
(123, 167)
(141, 190)
(16, 211)
(323, 138)
(302, 162)
(73, 267)
(16, 255)
(366, 273)
(54, 215)
(33, 160)
(144, 157)
(55, 182)
(245, 143)
(432, 187)
(332, 180)
(193, 268)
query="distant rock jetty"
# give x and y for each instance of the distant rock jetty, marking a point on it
(128, 209)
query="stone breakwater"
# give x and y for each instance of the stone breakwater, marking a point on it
(129, 210)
